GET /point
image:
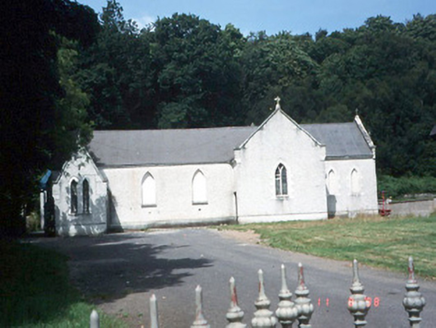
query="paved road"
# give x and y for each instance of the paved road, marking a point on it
(120, 272)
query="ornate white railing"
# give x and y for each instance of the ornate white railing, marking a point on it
(300, 310)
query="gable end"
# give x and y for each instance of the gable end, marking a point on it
(278, 111)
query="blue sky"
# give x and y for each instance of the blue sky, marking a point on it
(273, 16)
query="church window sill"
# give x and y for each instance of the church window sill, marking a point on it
(200, 203)
(80, 214)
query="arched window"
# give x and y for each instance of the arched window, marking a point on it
(199, 191)
(148, 190)
(85, 188)
(355, 184)
(73, 191)
(281, 181)
(332, 184)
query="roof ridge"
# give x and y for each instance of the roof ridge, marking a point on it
(189, 129)
(329, 123)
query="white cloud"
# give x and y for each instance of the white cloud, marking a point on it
(144, 21)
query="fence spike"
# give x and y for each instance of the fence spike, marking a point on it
(154, 323)
(234, 314)
(413, 300)
(263, 317)
(286, 312)
(302, 301)
(358, 303)
(199, 321)
(94, 320)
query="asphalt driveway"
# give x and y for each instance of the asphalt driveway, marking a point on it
(119, 272)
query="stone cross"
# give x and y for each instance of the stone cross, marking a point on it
(277, 100)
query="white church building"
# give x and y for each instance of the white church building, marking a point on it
(278, 171)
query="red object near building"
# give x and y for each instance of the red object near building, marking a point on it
(384, 211)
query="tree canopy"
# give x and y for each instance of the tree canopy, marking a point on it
(36, 104)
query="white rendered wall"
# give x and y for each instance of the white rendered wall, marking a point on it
(174, 196)
(343, 201)
(280, 141)
(80, 167)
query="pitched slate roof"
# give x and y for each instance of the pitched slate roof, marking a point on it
(342, 140)
(166, 147)
(210, 145)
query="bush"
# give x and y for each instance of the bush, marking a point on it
(33, 222)
(402, 186)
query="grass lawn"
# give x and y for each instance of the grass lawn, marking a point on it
(35, 291)
(378, 242)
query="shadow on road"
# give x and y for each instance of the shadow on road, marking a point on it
(109, 267)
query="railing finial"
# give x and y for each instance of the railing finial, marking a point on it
(286, 312)
(413, 300)
(199, 321)
(263, 317)
(234, 314)
(358, 303)
(154, 323)
(94, 320)
(303, 302)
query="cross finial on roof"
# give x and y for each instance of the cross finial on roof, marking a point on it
(357, 111)
(277, 99)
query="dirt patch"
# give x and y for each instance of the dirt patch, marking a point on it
(248, 237)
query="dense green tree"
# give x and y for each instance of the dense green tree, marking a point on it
(114, 72)
(71, 119)
(325, 45)
(31, 94)
(422, 27)
(198, 78)
(387, 73)
(275, 65)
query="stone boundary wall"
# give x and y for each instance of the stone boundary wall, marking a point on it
(415, 207)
